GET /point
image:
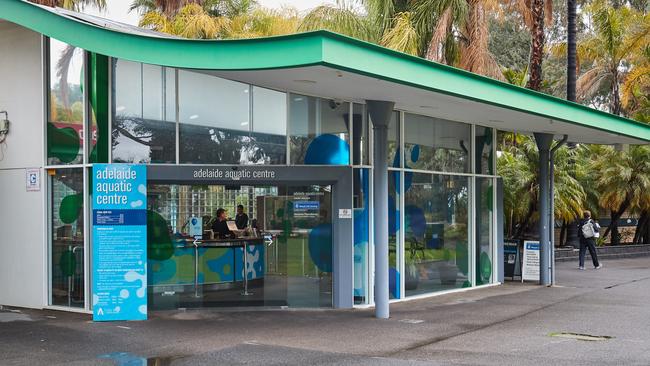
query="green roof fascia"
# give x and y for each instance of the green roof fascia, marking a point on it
(261, 53)
(379, 62)
(315, 48)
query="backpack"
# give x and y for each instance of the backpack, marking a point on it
(589, 231)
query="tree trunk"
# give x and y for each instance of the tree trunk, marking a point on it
(537, 46)
(642, 227)
(571, 51)
(616, 95)
(563, 233)
(613, 225)
(524, 225)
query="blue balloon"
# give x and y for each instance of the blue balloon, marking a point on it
(320, 247)
(393, 280)
(415, 220)
(328, 150)
(393, 216)
(415, 153)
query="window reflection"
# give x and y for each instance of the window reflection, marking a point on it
(65, 133)
(215, 124)
(485, 150)
(484, 222)
(436, 144)
(144, 127)
(319, 131)
(436, 233)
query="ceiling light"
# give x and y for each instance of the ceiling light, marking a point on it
(194, 116)
(244, 123)
(120, 108)
(495, 121)
(428, 107)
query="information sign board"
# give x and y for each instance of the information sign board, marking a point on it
(119, 242)
(530, 269)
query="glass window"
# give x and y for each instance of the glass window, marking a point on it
(144, 127)
(292, 268)
(269, 126)
(65, 132)
(485, 150)
(436, 144)
(361, 198)
(436, 237)
(484, 222)
(394, 227)
(319, 131)
(393, 141)
(360, 135)
(67, 245)
(214, 115)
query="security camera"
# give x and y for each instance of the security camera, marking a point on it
(333, 104)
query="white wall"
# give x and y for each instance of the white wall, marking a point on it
(22, 238)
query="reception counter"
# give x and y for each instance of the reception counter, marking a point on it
(217, 262)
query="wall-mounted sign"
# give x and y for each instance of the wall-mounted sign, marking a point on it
(33, 179)
(306, 208)
(530, 269)
(119, 242)
(345, 213)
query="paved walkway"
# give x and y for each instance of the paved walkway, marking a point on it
(505, 325)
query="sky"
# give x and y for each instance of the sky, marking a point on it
(118, 10)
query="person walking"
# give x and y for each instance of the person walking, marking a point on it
(588, 232)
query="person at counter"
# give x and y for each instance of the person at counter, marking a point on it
(220, 225)
(241, 219)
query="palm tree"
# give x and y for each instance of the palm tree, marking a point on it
(210, 19)
(518, 165)
(74, 5)
(191, 21)
(450, 31)
(623, 180)
(635, 92)
(263, 22)
(619, 34)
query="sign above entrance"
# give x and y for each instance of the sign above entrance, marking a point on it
(119, 242)
(234, 174)
(246, 174)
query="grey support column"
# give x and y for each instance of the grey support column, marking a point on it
(544, 141)
(380, 113)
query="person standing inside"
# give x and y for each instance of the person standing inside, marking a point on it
(220, 225)
(588, 232)
(241, 219)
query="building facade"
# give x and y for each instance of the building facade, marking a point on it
(256, 124)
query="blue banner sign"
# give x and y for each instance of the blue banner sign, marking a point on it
(119, 242)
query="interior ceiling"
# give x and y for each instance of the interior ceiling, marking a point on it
(327, 82)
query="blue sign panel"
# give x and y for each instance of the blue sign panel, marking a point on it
(119, 242)
(306, 205)
(532, 245)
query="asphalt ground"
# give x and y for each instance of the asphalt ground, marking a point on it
(512, 324)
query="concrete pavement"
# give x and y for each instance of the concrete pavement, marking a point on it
(504, 325)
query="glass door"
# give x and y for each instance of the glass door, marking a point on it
(298, 226)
